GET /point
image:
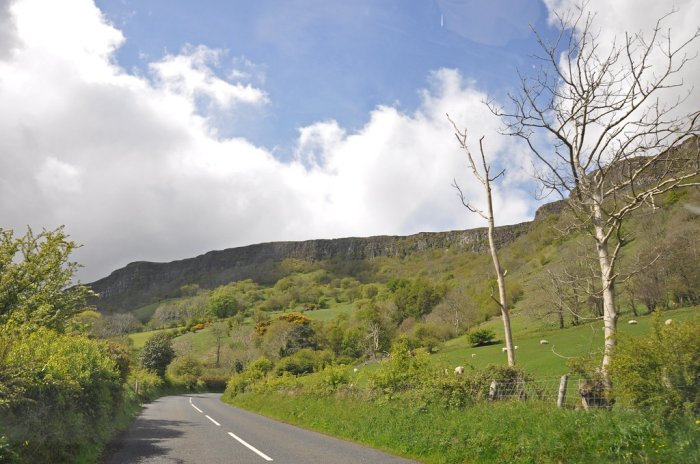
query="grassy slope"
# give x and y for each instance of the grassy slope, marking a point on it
(544, 360)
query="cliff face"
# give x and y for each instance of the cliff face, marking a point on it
(141, 283)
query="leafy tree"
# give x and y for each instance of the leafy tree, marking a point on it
(36, 279)
(157, 353)
(223, 301)
(415, 298)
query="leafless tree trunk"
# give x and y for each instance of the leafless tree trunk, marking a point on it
(220, 331)
(617, 143)
(483, 175)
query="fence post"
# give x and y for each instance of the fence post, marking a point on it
(492, 390)
(562, 390)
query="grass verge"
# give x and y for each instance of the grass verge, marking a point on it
(514, 432)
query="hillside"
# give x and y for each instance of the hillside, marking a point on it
(141, 283)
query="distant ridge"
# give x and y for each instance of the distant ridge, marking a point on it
(140, 283)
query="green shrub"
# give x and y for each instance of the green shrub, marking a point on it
(146, 383)
(330, 378)
(255, 371)
(660, 370)
(185, 371)
(213, 382)
(258, 368)
(403, 368)
(459, 391)
(481, 337)
(302, 362)
(64, 393)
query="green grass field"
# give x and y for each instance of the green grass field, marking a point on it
(549, 359)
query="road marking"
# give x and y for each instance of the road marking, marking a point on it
(196, 407)
(212, 420)
(252, 448)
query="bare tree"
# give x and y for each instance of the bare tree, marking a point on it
(483, 175)
(220, 331)
(615, 141)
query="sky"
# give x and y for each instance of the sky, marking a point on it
(157, 130)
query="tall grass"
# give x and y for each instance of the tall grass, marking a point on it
(513, 432)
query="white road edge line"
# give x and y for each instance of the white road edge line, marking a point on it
(212, 420)
(196, 407)
(252, 448)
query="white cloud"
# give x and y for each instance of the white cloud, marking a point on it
(135, 170)
(55, 175)
(190, 75)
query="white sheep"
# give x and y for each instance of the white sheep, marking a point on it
(632, 322)
(516, 347)
(544, 342)
(459, 370)
(356, 370)
(668, 321)
(473, 355)
(504, 349)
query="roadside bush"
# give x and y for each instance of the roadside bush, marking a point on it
(330, 379)
(403, 368)
(300, 363)
(459, 391)
(145, 382)
(481, 337)
(660, 370)
(255, 371)
(185, 370)
(64, 395)
(213, 382)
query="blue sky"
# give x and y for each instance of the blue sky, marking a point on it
(158, 130)
(321, 60)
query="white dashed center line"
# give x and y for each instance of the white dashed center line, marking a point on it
(212, 420)
(252, 448)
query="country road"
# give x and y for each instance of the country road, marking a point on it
(199, 428)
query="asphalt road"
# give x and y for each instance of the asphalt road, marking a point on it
(200, 428)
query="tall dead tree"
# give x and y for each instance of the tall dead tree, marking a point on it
(605, 133)
(483, 175)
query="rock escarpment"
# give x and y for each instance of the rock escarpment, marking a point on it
(141, 283)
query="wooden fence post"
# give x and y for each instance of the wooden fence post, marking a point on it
(562, 390)
(493, 389)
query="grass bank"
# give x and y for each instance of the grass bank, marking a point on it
(514, 432)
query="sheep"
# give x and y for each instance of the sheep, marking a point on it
(544, 342)
(504, 349)
(515, 347)
(668, 321)
(459, 370)
(356, 370)
(473, 355)
(632, 322)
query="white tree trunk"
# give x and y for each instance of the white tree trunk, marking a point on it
(500, 278)
(607, 280)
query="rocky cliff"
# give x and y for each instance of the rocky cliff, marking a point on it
(141, 283)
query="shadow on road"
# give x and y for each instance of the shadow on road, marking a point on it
(143, 440)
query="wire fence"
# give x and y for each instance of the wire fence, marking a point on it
(564, 391)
